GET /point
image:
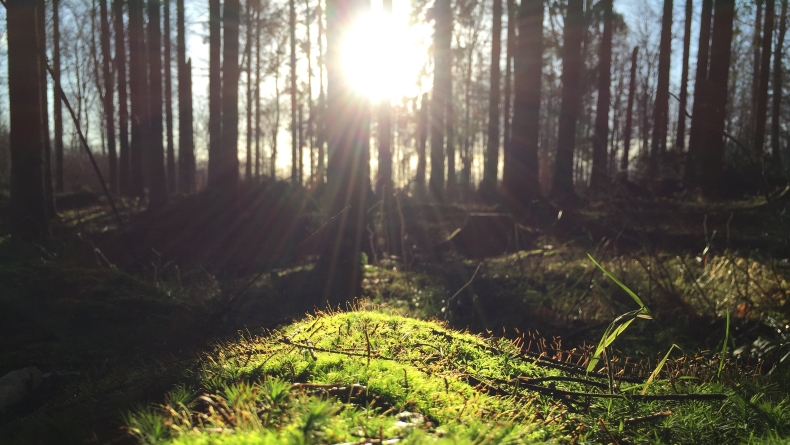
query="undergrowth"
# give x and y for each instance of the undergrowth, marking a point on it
(370, 377)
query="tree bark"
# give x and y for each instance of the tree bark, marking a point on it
(248, 68)
(384, 174)
(123, 111)
(170, 149)
(520, 176)
(28, 213)
(491, 163)
(712, 149)
(698, 118)
(186, 148)
(777, 86)
(572, 64)
(658, 144)
(441, 92)
(230, 94)
(339, 269)
(215, 156)
(157, 189)
(58, 107)
(629, 116)
(422, 139)
(680, 138)
(41, 38)
(109, 102)
(756, 44)
(507, 94)
(138, 95)
(765, 71)
(599, 178)
(257, 91)
(292, 91)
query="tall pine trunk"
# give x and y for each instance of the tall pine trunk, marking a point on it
(157, 189)
(712, 149)
(599, 178)
(257, 91)
(491, 163)
(520, 175)
(170, 149)
(138, 95)
(109, 102)
(339, 269)
(441, 92)
(700, 107)
(507, 91)
(629, 117)
(756, 44)
(230, 94)
(680, 138)
(295, 167)
(58, 106)
(777, 86)
(384, 175)
(27, 210)
(123, 110)
(248, 68)
(658, 144)
(186, 149)
(215, 156)
(765, 72)
(572, 65)
(422, 140)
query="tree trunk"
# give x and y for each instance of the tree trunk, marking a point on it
(321, 114)
(756, 43)
(230, 94)
(629, 116)
(340, 269)
(109, 102)
(765, 72)
(599, 178)
(658, 144)
(292, 91)
(248, 69)
(171, 155)
(41, 38)
(123, 111)
(441, 91)
(257, 91)
(28, 213)
(384, 174)
(680, 139)
(157, 189)
(215, 156)
(310, 108)
(507, 94)
(777, 86)
(712, 149)
(186, 148)
(422, 139)
(58, 108)
(491, 163)
(520, 176)
(572, 64)
(698, 117)
(138, 95)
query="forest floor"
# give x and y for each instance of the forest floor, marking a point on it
(188, 319)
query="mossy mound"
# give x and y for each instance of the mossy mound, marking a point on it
(368, 377)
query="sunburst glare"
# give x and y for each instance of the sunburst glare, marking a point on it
(383, 55)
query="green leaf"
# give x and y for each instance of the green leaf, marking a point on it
(658, 368)
(724, 345)
(623, 286)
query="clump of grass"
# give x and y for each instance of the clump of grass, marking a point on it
(369, 376)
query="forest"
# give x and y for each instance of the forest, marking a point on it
(375, 222)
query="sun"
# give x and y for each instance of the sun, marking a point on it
(383, 56)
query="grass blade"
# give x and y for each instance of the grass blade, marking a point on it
(623, 286)
(724, 346)
(614, 330)
(658, 368)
